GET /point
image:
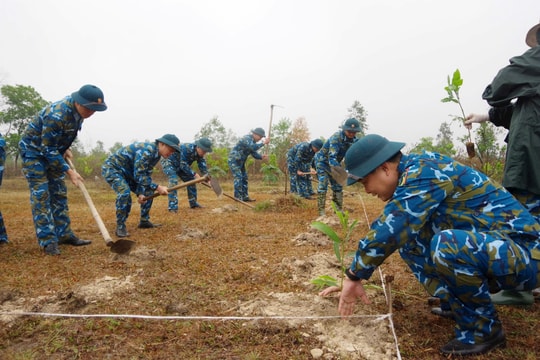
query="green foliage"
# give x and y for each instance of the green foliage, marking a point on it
(339, 245)
(358, 112)
(271, 173)
(22, 103)
(217, 133)
(217, 159)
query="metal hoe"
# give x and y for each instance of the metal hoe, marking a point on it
(214, 185)
(122, 246)
(182, 185)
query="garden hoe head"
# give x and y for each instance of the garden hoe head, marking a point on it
(122, 246)
(339, 174)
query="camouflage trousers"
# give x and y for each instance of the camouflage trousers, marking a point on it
(529, 200)
(3, 233)
(300, 184)
(48, 200)
(123, 188)
(324, 177)
(240, 177)
(465, 267)
(173, 195)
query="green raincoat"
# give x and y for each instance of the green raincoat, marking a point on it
(514, 96)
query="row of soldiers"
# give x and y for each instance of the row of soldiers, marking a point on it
(46, 160)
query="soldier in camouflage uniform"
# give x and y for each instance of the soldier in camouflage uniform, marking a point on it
(247, 145)
(299, 160)
(3, 233)
(43, 146)
(178, 165)
(462, 235)
(331, 154)
(129, 169)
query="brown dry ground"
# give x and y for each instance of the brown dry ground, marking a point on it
(225, 260)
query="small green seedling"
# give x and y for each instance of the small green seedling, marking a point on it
(452, 88)
(339, 245)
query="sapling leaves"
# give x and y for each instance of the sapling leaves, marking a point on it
(452, 89)
(339, 246)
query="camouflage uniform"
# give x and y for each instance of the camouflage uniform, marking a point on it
(42, 147)
(462, 235)
(130, 169)
(331, 154)
(179, 165)
(3, 233)
(237, 163)
(300, 157)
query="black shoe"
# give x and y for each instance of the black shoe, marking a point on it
(52, 249)
(456, 347)
(173, 211)
(74, 241)
(248, 199)
(146, 224)
(121, 231)
(196, 206)
(442, 313)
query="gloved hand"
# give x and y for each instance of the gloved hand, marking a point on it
(475, 118)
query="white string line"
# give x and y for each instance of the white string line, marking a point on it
(214, 318)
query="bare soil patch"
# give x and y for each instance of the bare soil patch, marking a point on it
(222, 282)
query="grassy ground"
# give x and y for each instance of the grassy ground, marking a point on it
(199, 263)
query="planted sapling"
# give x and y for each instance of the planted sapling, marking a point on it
(327, 282)
(452, 88)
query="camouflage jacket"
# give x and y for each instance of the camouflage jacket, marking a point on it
(180, 163)
(436, 193)
(135, 163)
(2, 156)
(51, 132)
(300, 156)
(334, 149)
(246, 146)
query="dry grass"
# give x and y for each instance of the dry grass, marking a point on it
(200, 263)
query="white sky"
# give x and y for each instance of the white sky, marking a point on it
(170, 66)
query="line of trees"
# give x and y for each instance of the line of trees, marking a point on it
(19, 104)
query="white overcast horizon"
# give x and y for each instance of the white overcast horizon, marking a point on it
(171, 66)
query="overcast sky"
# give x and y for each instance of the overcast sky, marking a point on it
(171, 66)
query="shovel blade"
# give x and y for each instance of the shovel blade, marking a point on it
(122, 246)
(339, 174)
(214, 184)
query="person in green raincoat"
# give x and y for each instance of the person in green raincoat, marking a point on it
(514, 97)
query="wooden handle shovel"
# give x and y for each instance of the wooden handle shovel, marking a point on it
(229, 196)
(179, 186)
(122, 246)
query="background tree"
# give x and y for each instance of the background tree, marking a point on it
(358, 112)
(489, 150)
(19, 105)
(443, 144)
(299, 131)
(217, 133)
(280, 142)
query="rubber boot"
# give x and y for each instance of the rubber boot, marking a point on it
(321, 203)
(337, 198)
(512, 297)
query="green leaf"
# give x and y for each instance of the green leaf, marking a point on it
(324, 281)
(327, 230)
